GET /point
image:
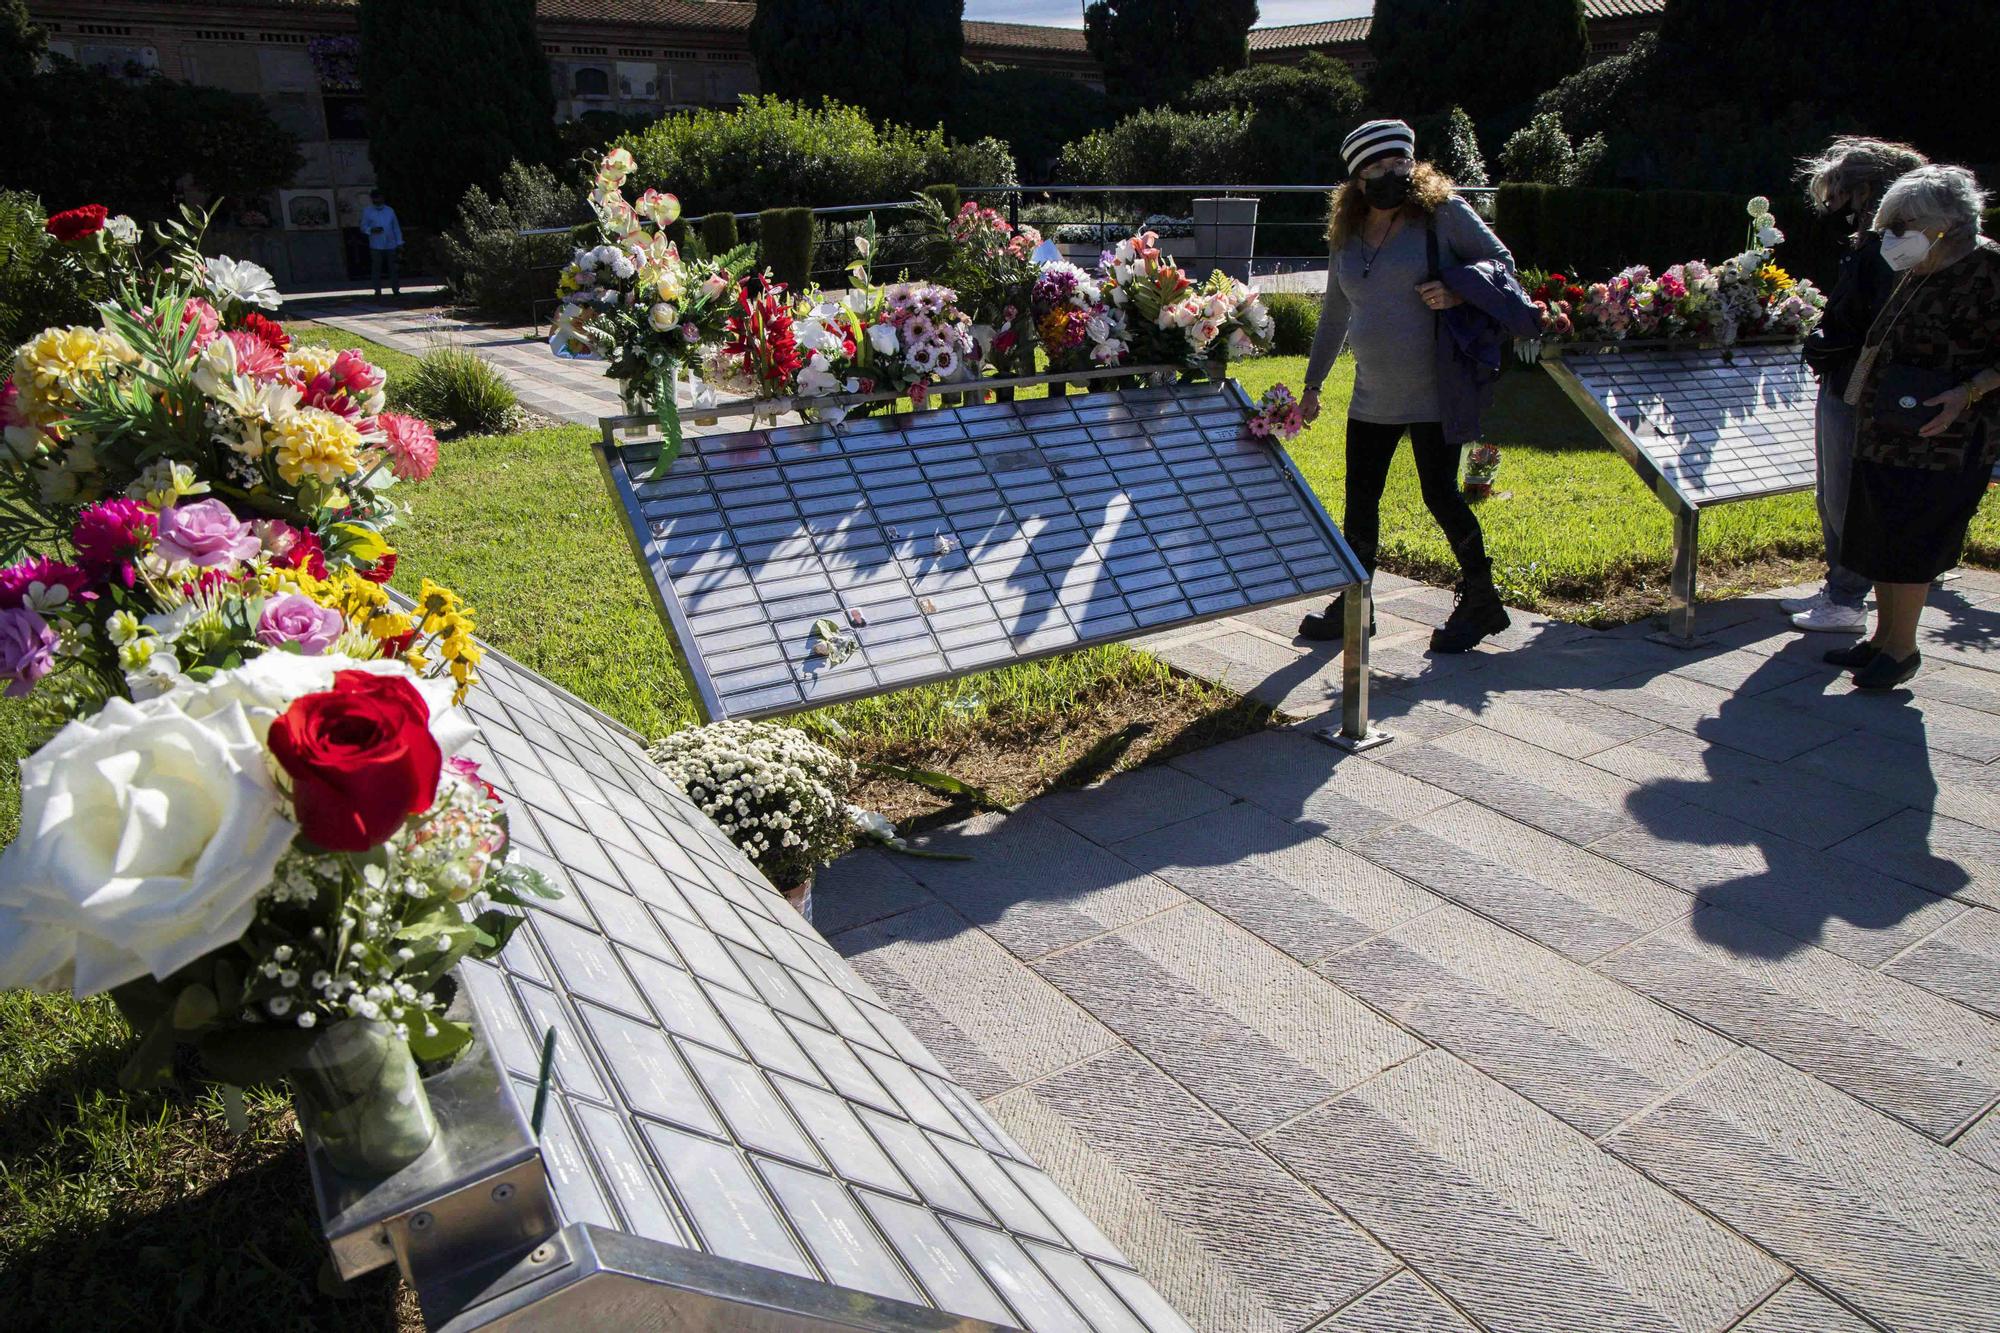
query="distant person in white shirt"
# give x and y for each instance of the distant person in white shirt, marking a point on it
(385, 242)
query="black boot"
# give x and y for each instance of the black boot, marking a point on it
(1330, 625)
(1476, 614)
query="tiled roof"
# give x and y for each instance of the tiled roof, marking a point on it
(710, 14)
(1024, 37)
(1340, 32)
(1622, 9)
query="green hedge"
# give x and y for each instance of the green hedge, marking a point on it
(718, 233)
(1592, 233)
(1296, 317)
(947, 197)
(785, 238)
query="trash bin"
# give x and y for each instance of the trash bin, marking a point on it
(1225, 237)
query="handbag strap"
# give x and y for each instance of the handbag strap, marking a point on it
(1878, 333)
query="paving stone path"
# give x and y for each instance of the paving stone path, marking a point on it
(1629, 989)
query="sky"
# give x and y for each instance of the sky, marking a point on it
(1069, 13)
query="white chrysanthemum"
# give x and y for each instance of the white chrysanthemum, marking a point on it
(242, 281)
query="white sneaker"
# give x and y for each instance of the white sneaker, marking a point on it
(1827, 618)
(1792, 606)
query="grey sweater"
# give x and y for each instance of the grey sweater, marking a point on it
(1384, 320)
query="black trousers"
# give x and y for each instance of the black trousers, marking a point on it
(1370, 448)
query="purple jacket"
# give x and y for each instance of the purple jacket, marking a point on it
(1472, 341)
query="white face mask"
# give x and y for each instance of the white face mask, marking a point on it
(1906, 251)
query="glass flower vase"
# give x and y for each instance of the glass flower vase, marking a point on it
(358, 1091)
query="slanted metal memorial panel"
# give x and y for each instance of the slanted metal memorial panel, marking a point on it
(959, 539)
(1712, 425)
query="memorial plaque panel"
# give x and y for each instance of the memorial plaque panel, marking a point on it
(958, 539)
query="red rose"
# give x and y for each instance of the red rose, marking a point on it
(76, 223)
(361, 758)
(381, 571)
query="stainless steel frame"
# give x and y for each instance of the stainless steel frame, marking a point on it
(620, 476)
(1685, 509)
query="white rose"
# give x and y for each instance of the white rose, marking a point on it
(146, 836)
(882, 337)
(662, 317)
(266, 685)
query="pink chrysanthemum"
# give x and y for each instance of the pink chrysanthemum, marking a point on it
(255, 356)
(110, 535)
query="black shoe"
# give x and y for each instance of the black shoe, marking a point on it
(1476, 614)
(1852, 658)
(1886, 673)
(1330, 625)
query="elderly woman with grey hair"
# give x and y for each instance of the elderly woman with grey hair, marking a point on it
(1845, 182)
(1924, 389)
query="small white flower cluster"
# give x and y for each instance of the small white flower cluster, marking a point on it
(772, 790)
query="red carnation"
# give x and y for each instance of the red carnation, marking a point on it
(361, 758)
(381, 571)
(267, 331)
(73, 224)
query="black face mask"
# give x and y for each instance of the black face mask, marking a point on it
(1390, 191)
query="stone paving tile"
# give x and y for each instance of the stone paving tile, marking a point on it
(1521, 1221)
(1299, 778)
(1034, 884)
(862, 886)
(1249, 664)
(1291, 888)
(1252, 1033)
(1960, 962)
(1981, 1143)
(1902, 1229)
(1403, 1304)
(1571, 800)
(1918, 718)
(1402, 716)
(1814, 897)
(1235, 1243)
(1567, 723)
(1965, 634)
(1911, 775)
(1744, 672)
(1928, 1062)
(1592, 663)
(1799, 1308)
(1575, 1043)
(1778, 798)
(1755, 725)
(1133, 803)
(1576, 903)
(993, 1023)
(1945, 855)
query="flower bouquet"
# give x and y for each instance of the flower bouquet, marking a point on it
(1064, 301)
(988, 265)
(278, 866)
(776, 793)
(1278, 414)
(1168, 319)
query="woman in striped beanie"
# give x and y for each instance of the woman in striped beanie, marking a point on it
(1382, 303)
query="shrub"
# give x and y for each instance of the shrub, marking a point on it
(785, 238)
(487, 263)
(1296, 317)
(36, 288)
(1594, 232)
(1161, 145)
(769, 153)
(1035, 112)
(718, 233)
(1457, 150)
(1299, 115)
(452, 386)
(1540, 153)
(947, 197)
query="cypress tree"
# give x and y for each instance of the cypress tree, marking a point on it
(1493, 57)
(456, 90)
(1152, 51)
(898, 59)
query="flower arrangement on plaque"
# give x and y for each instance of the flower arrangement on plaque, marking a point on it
(277, 866)
(1745, 296)
(184, 489)
(1279, 415)
(773, 791)
(1169, 319)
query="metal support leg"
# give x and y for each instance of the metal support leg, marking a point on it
(1687, 551)
(1354, 734)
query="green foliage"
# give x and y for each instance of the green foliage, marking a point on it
(224, 143)
(21, 47)
(585, 138)
(1298, 116)
(1457, 151)
(770, 153)
(897, 58)
(1491, 56)
(946, 195)
(1591, 233)
(452, 386)
(1160, 145)
(1296, 316)
(1152, 51)
(487, 263)
(1540, 153)
(785, 238)
(427, 136)
(1035, 112)
(37, 288)
(1599, 97)
(718, 233)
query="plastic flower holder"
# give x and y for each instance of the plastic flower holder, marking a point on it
(358, 1091)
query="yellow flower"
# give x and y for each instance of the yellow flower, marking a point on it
(434, 604)
(52, 368)
(317, 443)
(672, 286)
(388, 624)
(310, 361)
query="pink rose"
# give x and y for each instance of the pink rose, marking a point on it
(207, 535)
(413, 448)
(293, 618)
(27, 649)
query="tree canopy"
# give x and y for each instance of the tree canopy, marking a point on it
(1034, 111)
(456, 90)
(1298, 116)
(897, 59)
(1493, 57)
(1152, 51)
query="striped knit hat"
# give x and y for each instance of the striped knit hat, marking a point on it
(1376, 140)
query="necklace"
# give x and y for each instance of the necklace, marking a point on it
(1369, 256)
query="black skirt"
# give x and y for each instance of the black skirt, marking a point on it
(1907, 524)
